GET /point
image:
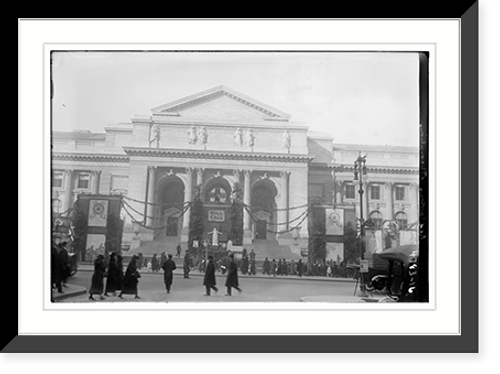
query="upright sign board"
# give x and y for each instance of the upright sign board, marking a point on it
(97, 208)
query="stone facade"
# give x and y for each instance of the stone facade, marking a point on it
(218, 138)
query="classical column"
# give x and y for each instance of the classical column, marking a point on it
(188, 196)
(95, 181)
(388, 201)
(68, 191)
(246, 200)
(199, 178)
(151, 197)
(283, 213)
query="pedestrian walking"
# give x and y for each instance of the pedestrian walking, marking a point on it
(112, 278)
(187, 265)
(209, 278)
(179, 249)
(299, 268)
(55, 268)
(168, 276)
(97, 283)
(232, 276)
(64, 261)
(131, 279)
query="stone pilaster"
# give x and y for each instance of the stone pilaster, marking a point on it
(188, 196)
(96, 176)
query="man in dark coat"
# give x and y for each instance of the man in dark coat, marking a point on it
(266, 267)
(232, 276)
(209, 278)
(168, 276)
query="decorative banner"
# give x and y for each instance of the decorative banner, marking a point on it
(216, 215)
(335, 252)
(98, 213)
(373, 241)
(334, 221)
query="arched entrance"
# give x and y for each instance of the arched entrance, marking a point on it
(172, 200)
(264, 208)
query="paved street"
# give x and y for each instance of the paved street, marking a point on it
(255, 289)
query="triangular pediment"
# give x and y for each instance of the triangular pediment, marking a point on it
(221, 103)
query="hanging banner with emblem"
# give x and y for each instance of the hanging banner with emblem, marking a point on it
(334, 221)
(98, 213)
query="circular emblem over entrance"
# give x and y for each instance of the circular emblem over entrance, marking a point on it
(98, 208)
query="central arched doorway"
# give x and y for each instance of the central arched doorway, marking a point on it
(172, 200)
(264, 208)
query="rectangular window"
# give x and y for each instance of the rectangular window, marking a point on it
(400, 193)
(57, 180)
(350, 192)
(83, 181)
(375, 192)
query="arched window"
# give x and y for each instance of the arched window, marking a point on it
(402, 220)
(376, 218)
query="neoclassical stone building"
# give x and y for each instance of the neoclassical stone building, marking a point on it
(217, 139)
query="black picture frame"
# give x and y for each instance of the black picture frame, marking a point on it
(467, 341)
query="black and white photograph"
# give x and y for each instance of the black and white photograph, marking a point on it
(239, 176)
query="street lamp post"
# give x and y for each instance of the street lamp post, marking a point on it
(359, 172)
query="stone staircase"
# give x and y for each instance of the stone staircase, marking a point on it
(272, 249)
(167, 244)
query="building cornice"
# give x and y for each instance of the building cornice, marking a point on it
(89, 157)
(215, 155)
(371, 169)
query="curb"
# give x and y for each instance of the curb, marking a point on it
(258, 276)
(75, 292)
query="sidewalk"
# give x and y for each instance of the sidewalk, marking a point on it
(69, 290)
(195, 272)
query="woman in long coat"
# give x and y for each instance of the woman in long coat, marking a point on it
(131, 279)
(209, 278)
(97, 285)
(112, 279)
(232, 276)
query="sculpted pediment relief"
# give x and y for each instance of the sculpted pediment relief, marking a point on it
(221, 103)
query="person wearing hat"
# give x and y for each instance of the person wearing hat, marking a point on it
(97, 284)
(209, 278)
(168, 275)
(232, 276)
(131, 279)
(112, 279)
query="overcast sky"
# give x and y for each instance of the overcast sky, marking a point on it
(358, 98)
